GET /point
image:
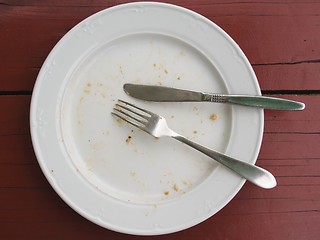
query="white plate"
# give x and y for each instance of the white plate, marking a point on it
(115, 175)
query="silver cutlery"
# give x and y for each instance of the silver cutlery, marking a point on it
(157, 126)
(166, 94)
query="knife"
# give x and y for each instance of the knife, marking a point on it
(166, 94)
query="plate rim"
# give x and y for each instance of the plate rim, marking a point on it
(34, 114)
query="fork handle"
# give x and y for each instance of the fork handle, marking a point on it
(252, 173)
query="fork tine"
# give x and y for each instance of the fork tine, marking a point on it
(130, 110)
(141, 121)
(127, 120)
(141, 109)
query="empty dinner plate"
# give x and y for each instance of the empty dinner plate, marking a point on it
(114, 174)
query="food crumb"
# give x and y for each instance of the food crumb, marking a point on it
(181, 53)
(132, 173)
(172, 116)
(213, 117)
(195, 132)
(86, 91)
(176, 187)
(154, 65)
(166, 193)
(89, 84)
(128, 139)
(119, 120)
(186, 182)
(166, 71)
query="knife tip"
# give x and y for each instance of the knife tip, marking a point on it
(125, 87)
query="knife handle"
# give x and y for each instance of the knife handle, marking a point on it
(256, 101)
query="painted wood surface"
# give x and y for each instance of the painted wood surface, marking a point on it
(281, 40)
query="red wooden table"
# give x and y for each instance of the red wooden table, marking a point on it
(280, 39)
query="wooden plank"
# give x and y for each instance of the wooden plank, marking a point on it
(306, 121)
(219, 227)
(9, 154)
(30, 207)
(282, 226)
(292, 146)
(300, 76)
(15, 115)
(261, 29)
(280, 39)
(24, 54)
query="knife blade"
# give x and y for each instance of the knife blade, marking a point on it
(167, 94)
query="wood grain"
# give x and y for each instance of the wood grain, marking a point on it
(281, 40)
(279, 52)
(28, 202)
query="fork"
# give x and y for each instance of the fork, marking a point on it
(157, 126)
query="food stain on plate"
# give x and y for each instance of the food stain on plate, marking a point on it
(128, 140)
(213, 117)
(160, 164)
